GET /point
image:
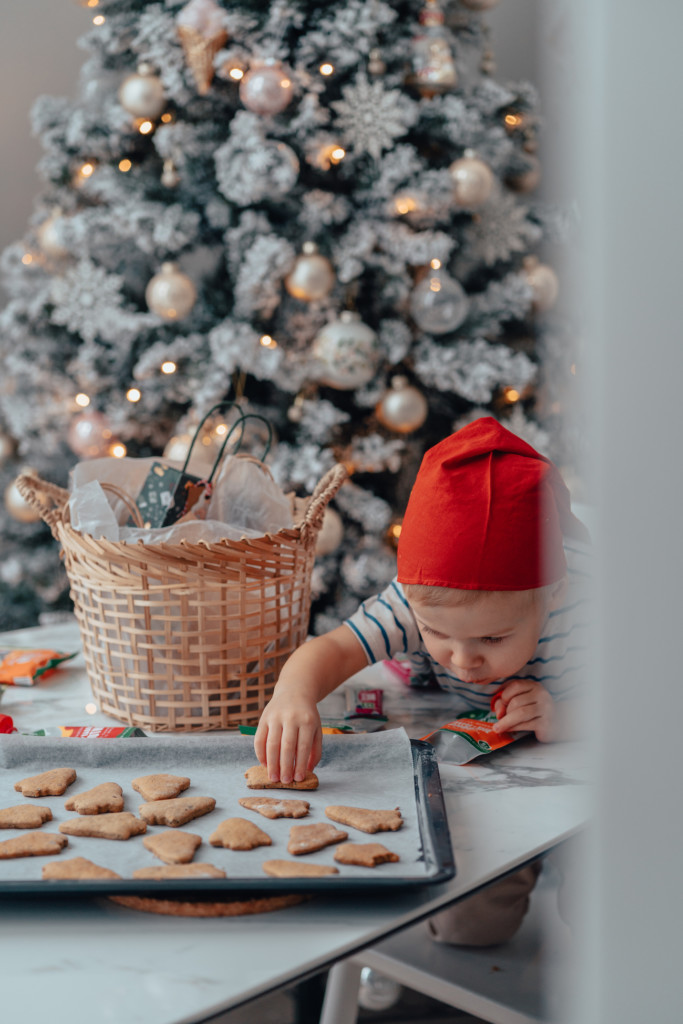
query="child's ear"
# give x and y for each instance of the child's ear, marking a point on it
(558, 594)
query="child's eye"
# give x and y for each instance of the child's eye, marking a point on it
(492, 639)
(432, 632)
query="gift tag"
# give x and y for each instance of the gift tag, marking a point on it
(167, 494)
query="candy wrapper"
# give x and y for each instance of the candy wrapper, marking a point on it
(469, 736)
(363, 702)
(24, 667)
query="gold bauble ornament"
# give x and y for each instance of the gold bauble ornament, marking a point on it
(7, 447)
(544, 284)
(267, 88)
(142, 94)
(170, 293)
(472, 180)
(16, 504)
(48, 236)
(202, 34)
(331, 533)
(313, 276)
(403, 408)
(89, 435)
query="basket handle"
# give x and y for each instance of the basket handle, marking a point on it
(46, 498)
(322, 495)
(127, 501)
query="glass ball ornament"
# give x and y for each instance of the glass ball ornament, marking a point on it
(438, 304)
(142, 93)
(472, 180)
(89, 435)
(267, 88)
(16, 504)
(170, 293)
(376, 991)
(347, 351)
(543, 282)
(331, 533)
(403, 408)
(313, 276)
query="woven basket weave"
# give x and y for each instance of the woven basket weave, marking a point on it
(184, 637)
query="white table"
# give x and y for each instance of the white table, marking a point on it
(111, 964)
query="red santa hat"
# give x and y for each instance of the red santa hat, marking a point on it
(487, 512)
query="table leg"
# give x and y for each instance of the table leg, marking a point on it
(340, 1005)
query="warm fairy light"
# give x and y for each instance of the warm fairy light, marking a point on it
(285, 83)
(435, 264)
(167, 118)
(435, 285)
(133, 394)
(236, 74)
(337, 155)
(99, 19)
(86, 170)
(511, 394)
(91, 709)
(404, 204)
(395, 530)
(82, 400)
(326, 69)
(27, 258)
(267, 341)
(513, 120)
(125, 165)
(169, 366)
(145, 127)
(118, 450)
(221, 429)
(93, 3)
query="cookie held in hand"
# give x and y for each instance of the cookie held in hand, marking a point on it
(271, 808)
(121, 825)
(160, 787)
(308, 838)
(37, 844)
(51, 783)
(364, 819)
(364, 855)
(76, 867)
(24, 816)
(102, 799)
(176, 812)
(257, 778)
(239, 834)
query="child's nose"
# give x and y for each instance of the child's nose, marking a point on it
(464, 658)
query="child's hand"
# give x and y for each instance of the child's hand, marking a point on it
(525, 705)
(288, 740)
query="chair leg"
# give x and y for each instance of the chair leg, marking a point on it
(340, 1005)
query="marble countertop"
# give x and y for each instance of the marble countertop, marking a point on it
(107, 963)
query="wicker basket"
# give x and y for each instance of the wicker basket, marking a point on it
(183, 637)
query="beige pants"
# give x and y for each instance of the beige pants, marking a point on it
(490, 916)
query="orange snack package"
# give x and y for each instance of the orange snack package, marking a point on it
(24, 667)
(469, 736)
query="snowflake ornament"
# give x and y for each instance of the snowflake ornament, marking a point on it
(370, 118)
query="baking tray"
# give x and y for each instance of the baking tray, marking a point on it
(432, 862)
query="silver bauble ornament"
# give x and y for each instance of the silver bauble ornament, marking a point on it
(170, 293)
(312, 277)
(403, 408)
(438, 304)
(331, 533)
(142, 94)
(16, 504)
(472, 180)
(544, 284)
(7, 447)
(267, 89)
(348, 352)
(89, 435)
(48, 236)
(480, 5)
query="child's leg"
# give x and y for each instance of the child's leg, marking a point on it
(490, 916)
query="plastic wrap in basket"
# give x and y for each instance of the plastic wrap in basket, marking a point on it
(180, 637)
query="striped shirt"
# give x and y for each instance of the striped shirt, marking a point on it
(386, 628)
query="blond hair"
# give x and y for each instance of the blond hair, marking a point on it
(419, 593)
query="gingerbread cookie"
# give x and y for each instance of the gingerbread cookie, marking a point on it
(364, 819)
(24, 816)
(50, 783)
(196, 870)
(36, 844)
(257, 778)
(160, 787)
(365, 855)
(239, 834)
(308, 838)
(102, 799)
(296, 869)
(76, 867)
(176, 812)
(121, 825)
(173, 847)
(271, 808)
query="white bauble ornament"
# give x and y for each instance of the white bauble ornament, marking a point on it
(480, 5)
(142, 94)
(16, 504)
(267, 89)
(438, 304)
(403, 408)
(312, 277)
(48, 237)
(472, 180)
(7, 447)
(170, 293)
(544, 284)
(89, 435)
(331, 533)
(348, 352)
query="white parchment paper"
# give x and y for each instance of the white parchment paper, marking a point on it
(374, 771)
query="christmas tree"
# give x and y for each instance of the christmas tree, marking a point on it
(323, 212)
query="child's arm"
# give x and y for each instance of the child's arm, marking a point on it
(289, 738)
(526, 705)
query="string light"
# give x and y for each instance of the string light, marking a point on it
(236, 74)
(326, 69)
(125, 165)
(82, 400)
(27, 258)
(513, 121)
(145, 127)
(99, 19)
(435, 264)
(337, 155)
(93, 3)
(267, 341)
(404, 204)
(511, 395)
(117, 450)
(133, 394)
(395, 530)
(168, 367)
(86, 170)
(167, 117)
(221, 429)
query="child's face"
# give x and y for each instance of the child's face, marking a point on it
(490, 637)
